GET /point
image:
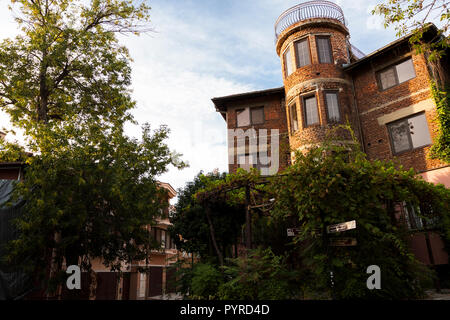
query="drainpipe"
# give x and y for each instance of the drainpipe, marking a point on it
(355, 104)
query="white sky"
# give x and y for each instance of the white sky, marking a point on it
(203, 49)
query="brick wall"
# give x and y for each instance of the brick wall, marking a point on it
(316, 78)
(374, 103)
(275, 118)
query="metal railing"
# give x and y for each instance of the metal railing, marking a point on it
(308, 10)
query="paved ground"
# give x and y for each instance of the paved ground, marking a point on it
(443, 295)
(170, 296)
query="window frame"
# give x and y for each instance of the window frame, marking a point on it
(286, 73)
(328, 38)
(413, 220)
(237, 121)
(305, 118)
(142, 278)
(393, 66)
(412, 148)
(336, 92)
(250, 116)
(296, 52)
(263, 114)
(293, 105)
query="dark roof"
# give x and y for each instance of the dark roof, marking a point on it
(220, 102)
(383, 49)
(12, 164)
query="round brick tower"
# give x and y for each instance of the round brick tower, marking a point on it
(312, 42)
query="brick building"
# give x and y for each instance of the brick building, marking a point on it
(385, 96)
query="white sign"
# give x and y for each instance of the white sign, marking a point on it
(342, 227)
(292, 232)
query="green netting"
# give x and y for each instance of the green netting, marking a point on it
(13, 283)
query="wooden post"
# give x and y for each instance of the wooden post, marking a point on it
(213, 236)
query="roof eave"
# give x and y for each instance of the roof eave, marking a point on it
(382, 50)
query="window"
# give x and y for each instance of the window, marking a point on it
(142, 284)
(293, 117)
(413, 220)
(396, 74)
(243, 117)
(170, 243)
(247, 161)
(302, 53)
(331, 101)
(324, 50)
(250, 116)
(409, 133)
(288, 62)
(311, 113)
(257, 115)
(163, 239)
(159, 235)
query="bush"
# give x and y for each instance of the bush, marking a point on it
(261, 275)
(205, 282)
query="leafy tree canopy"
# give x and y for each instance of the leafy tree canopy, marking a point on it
(331, 184)
(191, 223)
(413, 16)
(89, 189)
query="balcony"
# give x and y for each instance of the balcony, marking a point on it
(308, 10)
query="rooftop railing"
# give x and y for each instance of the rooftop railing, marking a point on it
(308, 10)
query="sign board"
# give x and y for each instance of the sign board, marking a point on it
(342, 226)
(292, 232)
(343, 242)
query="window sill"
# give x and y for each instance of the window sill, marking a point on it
(409, 150)
(312, 126)
(395, 86)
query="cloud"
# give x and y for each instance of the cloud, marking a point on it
(168, 95)
(374, 22)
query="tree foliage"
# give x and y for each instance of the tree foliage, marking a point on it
(89, 189)
(331, 185)
(334, 183)
(191, 223)
(91, 201)
(67, 61)
(261, 275)
(441, 147)
(413, 16)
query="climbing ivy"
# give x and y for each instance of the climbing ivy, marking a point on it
(441, 147)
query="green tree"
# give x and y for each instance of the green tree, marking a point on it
(191, 223)
(67, 61)
(261, 275)
(89, 189)
(414, 16)
(331, 184)
(90, 198)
